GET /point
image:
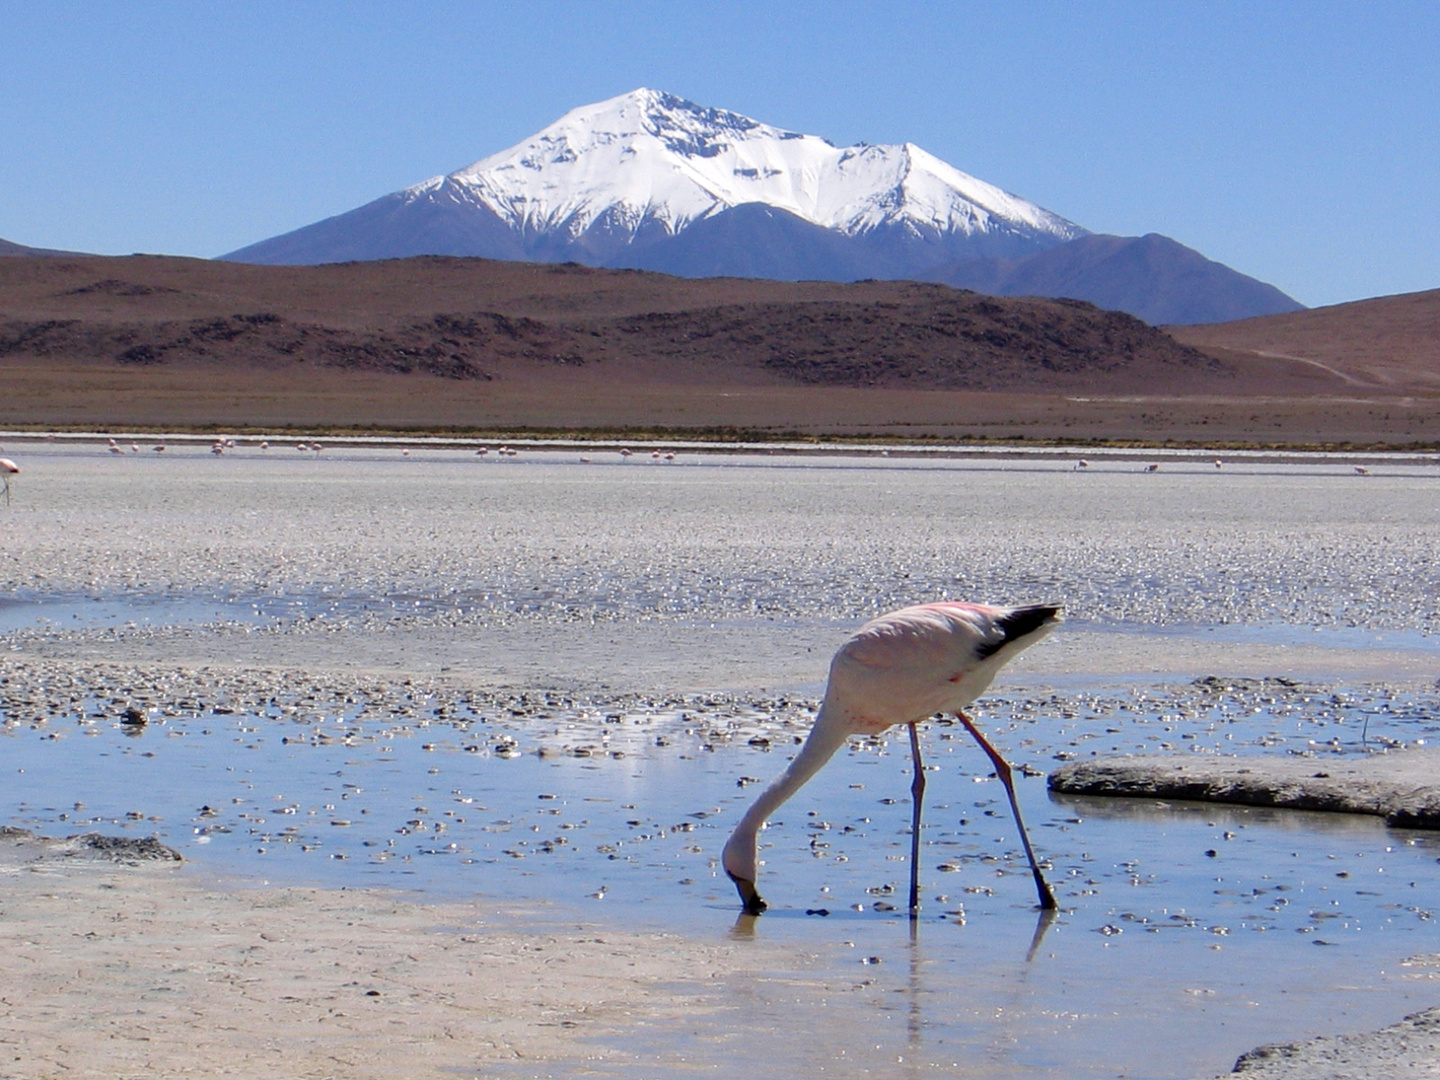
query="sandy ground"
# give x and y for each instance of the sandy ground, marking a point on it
(1409, 1049)
(1400, 787)
(113, 398)
(112, 970)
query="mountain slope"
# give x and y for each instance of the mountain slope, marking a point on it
(650, 181)
(608, 181)
(1390, 342)
(1152, 277)
(14, 250)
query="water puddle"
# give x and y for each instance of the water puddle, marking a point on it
(1351, 638)
(82, 613)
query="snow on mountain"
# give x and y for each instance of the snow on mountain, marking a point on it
(648, 157)
(650, 181)
(609, 184)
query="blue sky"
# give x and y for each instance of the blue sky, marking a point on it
(1295, 141)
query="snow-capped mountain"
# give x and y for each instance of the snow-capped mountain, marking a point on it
(650, 181)
(607, 182)
(648, 159)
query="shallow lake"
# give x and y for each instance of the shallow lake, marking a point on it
(1187, 933)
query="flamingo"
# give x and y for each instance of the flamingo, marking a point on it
(1361, 470)
(1152, 467)
(902, 668)
(8, 469)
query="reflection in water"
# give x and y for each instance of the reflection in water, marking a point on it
(1043, 919)
(744, 928)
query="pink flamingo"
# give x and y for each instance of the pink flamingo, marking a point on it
(902, 668)
(8, 469)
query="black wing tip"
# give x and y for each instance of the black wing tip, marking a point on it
(1031, 615)
(1019, 623)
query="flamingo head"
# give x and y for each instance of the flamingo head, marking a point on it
(738, 859)
(750, 898)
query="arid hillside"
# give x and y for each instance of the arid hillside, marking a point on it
(475, 319)
(1389, 343)
(470, 343)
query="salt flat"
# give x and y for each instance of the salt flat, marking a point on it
(721, 570)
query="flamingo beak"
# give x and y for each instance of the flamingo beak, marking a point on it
(749, 896)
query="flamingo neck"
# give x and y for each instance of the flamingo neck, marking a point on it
(826, 737)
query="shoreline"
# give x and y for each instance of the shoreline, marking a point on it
(169, 972)
(738, 441)
(118, 971)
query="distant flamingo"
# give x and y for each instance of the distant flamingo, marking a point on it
(1219, 464)
(1152, 467)
(1362, 470)
(902, 668)
(8, 469)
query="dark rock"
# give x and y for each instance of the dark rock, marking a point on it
(126, 848)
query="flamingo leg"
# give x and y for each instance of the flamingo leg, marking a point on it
(917, 797)
(1002, 770)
